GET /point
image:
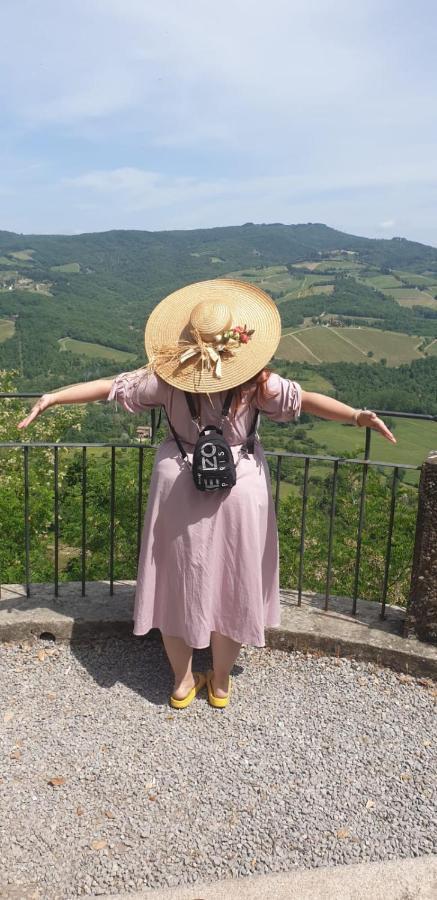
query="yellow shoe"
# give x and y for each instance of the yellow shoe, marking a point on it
(182, 704)
(217, 702)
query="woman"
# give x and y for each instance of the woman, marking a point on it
(208, 567)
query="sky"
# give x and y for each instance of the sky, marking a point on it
(187, 114)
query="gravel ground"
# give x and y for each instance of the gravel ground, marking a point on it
(315, 762)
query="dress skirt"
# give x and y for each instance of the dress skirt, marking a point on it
(208, 561)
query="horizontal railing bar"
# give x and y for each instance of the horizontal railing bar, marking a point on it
(15, 445)
(343, 459)
(22, 395)
(404, 415)
(78, 444)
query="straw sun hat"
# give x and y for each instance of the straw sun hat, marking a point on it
(212, 335)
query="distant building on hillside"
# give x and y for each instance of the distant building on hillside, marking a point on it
(144, 432)
(328, 321)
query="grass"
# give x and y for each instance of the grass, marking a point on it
(330, 346)
(395, 347)
(414, 441)
(72, 267)
(315, 382)
(381, 282)
(277, 278)
(286, 489)
(340, 264)
(321, 289)
(23, 254)
(413, 278)
(7, 328)
(411, 297)
(257, 272)
(348, 345)
(291, 349)
(84, 348)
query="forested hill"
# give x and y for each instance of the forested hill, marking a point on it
(90, 294)
(185, 255)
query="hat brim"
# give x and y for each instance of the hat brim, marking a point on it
(249, 306)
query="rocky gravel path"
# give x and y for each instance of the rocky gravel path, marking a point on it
(105, 789)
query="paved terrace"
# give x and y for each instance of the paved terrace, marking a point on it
(318, 761)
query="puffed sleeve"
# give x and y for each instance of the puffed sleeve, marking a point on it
(138, 390)
(283, 399)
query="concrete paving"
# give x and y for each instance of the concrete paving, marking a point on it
(403, 879)
(365, 636)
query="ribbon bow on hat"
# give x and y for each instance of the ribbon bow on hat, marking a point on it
(210, 354)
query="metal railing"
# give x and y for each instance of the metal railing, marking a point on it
(337, 462)
(305, 460)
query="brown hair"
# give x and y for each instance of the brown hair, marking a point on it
(254, 389)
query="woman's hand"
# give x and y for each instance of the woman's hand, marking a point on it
(84, 392)
(328, 408)
(368, 419)
(41, 404)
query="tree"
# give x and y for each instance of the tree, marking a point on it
(374, 538)
(49, 428)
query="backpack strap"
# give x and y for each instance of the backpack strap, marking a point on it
(225, 409)
(155, 424)
(250, 440)
(181, 447)
(191, 405)
(227, 403)
(192, 408)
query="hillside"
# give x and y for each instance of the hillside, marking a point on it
(74, 307)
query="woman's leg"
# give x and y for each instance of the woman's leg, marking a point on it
(224, 654)
(181, 657)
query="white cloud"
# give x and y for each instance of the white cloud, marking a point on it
(191, 113)
(128, 197)
(139, 186)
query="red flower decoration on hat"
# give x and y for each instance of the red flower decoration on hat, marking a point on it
(239, 333)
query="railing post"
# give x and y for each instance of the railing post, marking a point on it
(421, 618)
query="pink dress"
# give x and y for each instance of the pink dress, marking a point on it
(208, 561)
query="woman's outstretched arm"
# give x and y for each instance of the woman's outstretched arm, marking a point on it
(84, 392)
(328, 408)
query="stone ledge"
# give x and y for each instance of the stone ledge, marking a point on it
(365, 636)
